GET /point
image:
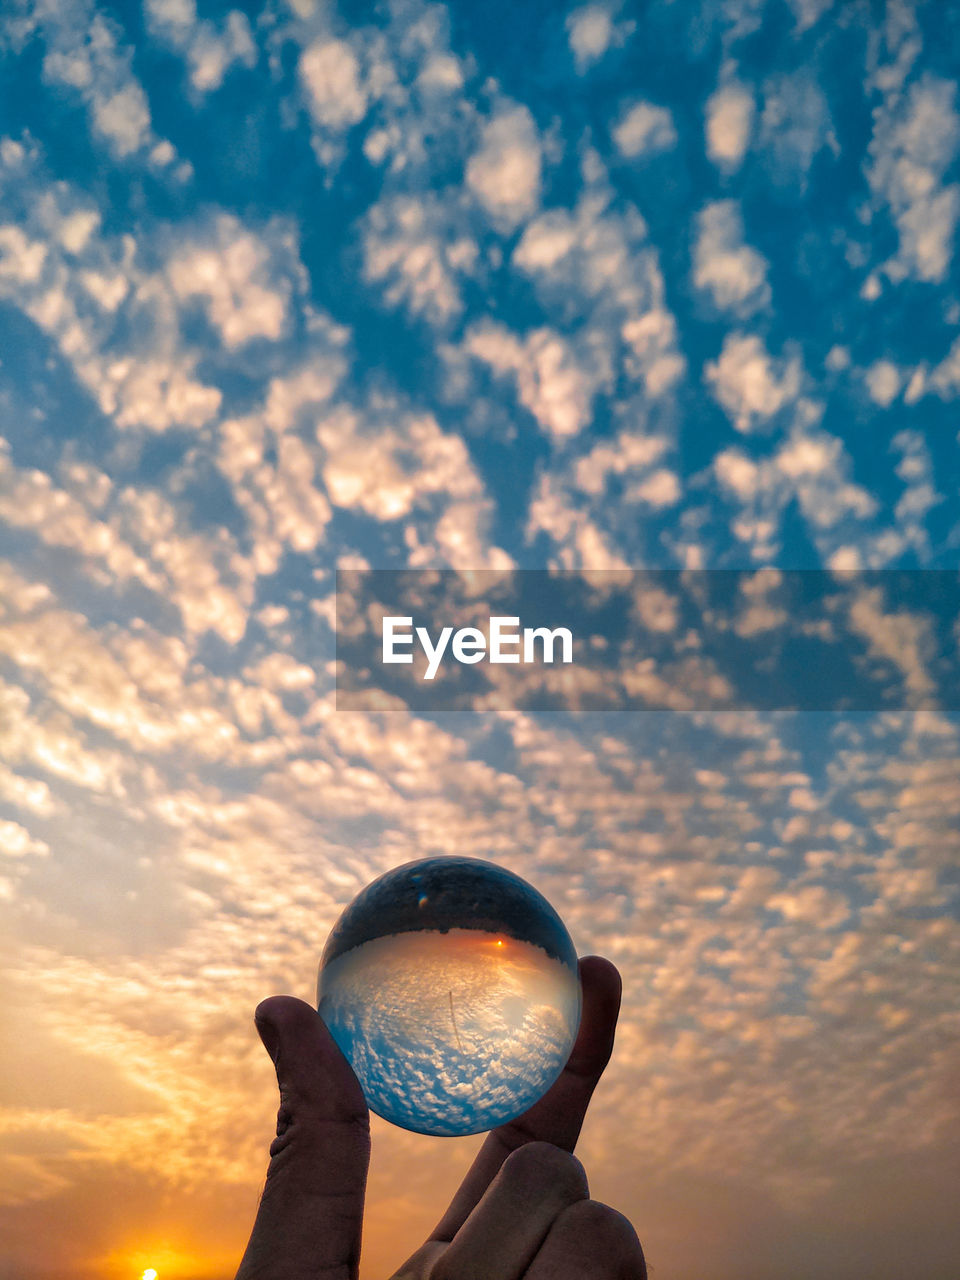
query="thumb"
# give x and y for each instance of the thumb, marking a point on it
(311, 1210)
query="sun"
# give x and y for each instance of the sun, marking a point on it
(149, 1274)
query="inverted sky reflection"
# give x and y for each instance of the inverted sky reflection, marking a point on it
(451, 1033)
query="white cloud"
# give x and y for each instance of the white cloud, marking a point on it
(816, 466)
(551, 382)
(30, 794)
(123, 119)
(173, 14)
(738, 473)
(653, 356)
(214, 53)
(627, 452)
(794, 125)
(916, 138)
(805, 456)
(21, 259)
(578, 540)
(545, 242)
(409, 246)
(441, 73)
(17, 842)
(84, 54)
(729, 124)
(143, 382)
(661, 489)
(593, 262)
(591, 31)
(136, 541)
(809, 12)
(504, 174)
(644, 129)
(812, 467)
(883, 382)
(813, 905)
(897, 636)
(210, 49)
(751, 385)
(920, 495)
(331, 77)
(733, 273)
(945, 377)
(233, 276)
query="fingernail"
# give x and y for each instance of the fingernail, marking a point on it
(269, 1036)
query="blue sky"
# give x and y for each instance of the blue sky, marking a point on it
(291, 287)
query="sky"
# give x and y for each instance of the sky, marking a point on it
(287, 288)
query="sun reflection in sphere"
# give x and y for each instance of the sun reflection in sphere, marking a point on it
(451, 986)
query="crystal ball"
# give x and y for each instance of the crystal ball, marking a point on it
(451, 987)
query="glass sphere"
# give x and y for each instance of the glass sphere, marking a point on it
(451, 987)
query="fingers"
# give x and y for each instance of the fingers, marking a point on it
(558, 1116)
(589, 1241)
(309, 1220)
(503, 1233)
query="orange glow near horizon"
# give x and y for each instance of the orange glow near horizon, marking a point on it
(165, 1261)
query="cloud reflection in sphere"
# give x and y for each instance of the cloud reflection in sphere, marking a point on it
(451, 986)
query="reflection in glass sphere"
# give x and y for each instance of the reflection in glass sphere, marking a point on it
(451, 987)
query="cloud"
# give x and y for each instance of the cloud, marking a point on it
(577, 539)
(411, 248)
(644, 129)
(504, 173)
(85, 57)
(660, 489)
(596, 264)
(729, 125)
(751, 385)
(916, 137)
(809, 12)
(898, 637)
(136, 542)
(812, 467)
(211, 49)
(331, 77)
(883, 382)
(592, 32)
(551, 383)
(29, 794)
(731, 272)
(54, 272)
(794, 126)
(21, 259)
(920, 495)
(17, 842)
(123, 119)
(231, 273)
(629, 453)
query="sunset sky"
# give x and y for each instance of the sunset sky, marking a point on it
(287, 287)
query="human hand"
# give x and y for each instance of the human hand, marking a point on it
(522, 1213)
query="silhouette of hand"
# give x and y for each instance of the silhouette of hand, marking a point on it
(522, 1212)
